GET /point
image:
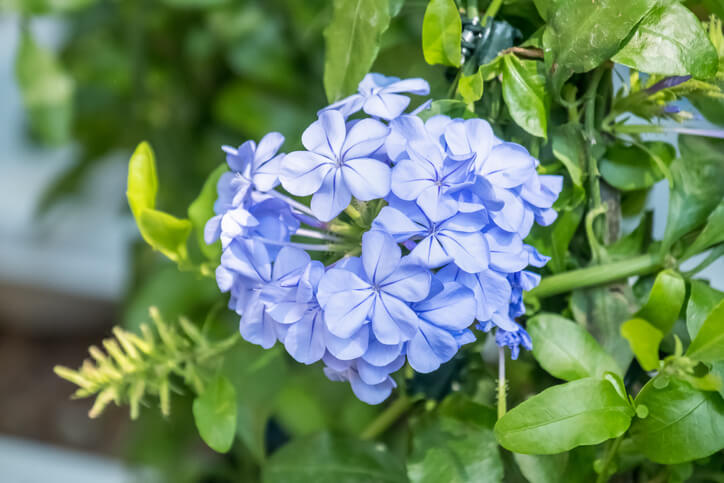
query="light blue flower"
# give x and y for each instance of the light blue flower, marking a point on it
(370, 387)
(258, 164)
(338, 164)
(491, 289)
(379, 96)
(376, 293)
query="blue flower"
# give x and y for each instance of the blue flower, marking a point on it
(338, 164)
(370, 387)
(375, 292)
(491, 289)
(379, 96)
(445, 317)
(258, 164)
(456, 239)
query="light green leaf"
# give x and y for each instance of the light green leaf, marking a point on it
(215, 414)
(702, 300)
(694, 196)
(670, 40)
(569, 467)
(165, 233)
(665, 300)
(644, 339)
(455, 445)
(471, 86)
(324, 458)
(630, 168)
(582, 412)
(202, 209)
(683, 424)
(352, 40)
(142, 180)
(47, 91)
(449, 107)
(711, 234)
(568, 148)
(708, 345)
(525, 94)
(441, 33)
(566, 350)
(581, 35)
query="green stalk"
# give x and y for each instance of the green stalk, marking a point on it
(597, 275)
(610, 455)
(388, 417)
(502, 403)
(492, 9)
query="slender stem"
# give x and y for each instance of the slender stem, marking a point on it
(303, 246)
(492, 9)
(293, 203)
(472, 9)
(597, 275)
(594, 188)
(713, 256)
(315, 234)
(388, 417)
(502, 403)
(610, 455)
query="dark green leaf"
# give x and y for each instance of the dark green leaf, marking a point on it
(570, 467)
(582, 412)
(568, 149)
(581, 35)
(644, 339)
(396, 6)
(630, 168)
(711, 234)
(694, 196)
(635, 242)
(332, 459)
(665, 300)
(441, 31)
(670, 41)
(352, 41)
(456, 445)
(38, 7)
(525, 94)
(215, 414)
(553, 240)
(683, 424)
(708, 345)
(142, 180)
(702, 300)
(47, 91)
(202, 209)
(566, 350)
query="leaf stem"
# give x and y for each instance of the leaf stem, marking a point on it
(492, 10)
(610, 455)
(597, 275)
(502, 403)
(388, 417)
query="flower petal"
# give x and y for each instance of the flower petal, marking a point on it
(364, 138)
(345, 314)
(415, 85)
(303, 172)
(453, 308)
(410, 282)
(379, 354)
(508, 165)
(347, 348)
(386, 106)
(436, 204)
(394, 222)
(380, 255)
(267, 148)
(410, 178)
(304, 340)
(256, 326)
(371, 393)
(468, 250)
(366, 178)
(430, 347)
(430, 253)
(326, 135)
(332, 198)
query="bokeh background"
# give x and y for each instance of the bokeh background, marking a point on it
(81, 83)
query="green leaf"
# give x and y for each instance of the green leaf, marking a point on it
(456, 444)
(708, 345)
(47, 91)
(665, 300)
(142, 180)
(195, 3)
(581, 35)
(711, 234)
(630, 168)
(352, 42)
(553, 240)
(670, 41)
(583, 412)
(525, 94)
(165, 233)
(566, 350)
(702, 300)
(570, 467)
(449, 107)
(202, 209)
(39, 7)
(568, 148)
(635, 242)
(215, 414)
(644, 339)
(324, 458)
(683, 424)
(694, 195)
(471, 86)
(441, 33)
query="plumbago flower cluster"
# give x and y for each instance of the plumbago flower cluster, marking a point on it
(444, 251)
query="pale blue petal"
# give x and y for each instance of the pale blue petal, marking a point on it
(379, 354)
(386, 106)
(266, 176)
(339, 280)
(437, 205)
(380, 255)
(257, 327)
(369, 393)
(409, 282)
(326, 135)
(288, 261)
(249, 258)
(366, 178)
(410, 178)
(267, 149)
(430, 347)
(430, 253)
(510, 217)
(415, 85)
(364, 138)
(349, 311)
(468, 250)
(224, 278)
(332, 198)
(453, 308)
(404, 317)
(384, 327)
(212, 229)
(395, 222)
(347, 348)
(347, 106)
(303, 172)
(304, 341)
(508, 165)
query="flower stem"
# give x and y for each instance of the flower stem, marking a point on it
(597, 275)
(388, 417)
(610, 455)
(502, 403)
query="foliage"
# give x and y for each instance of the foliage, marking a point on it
(625, 375)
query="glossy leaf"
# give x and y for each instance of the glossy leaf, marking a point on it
(702, 300)
(165, 233)
(202, 208)
(665, 300)
(670, 41)
(553, 240)
(471, 87)
(525, 94)
(566, 350)
(441, 33)
(644, 339)
(567, 142)
(142, 180)
(324, 458)
(683, 424)
(635, 242)
(694, 196)
(215, 414)
(630, 168)
(582, 412)
(711, 234)
(708, 345)
(571, 467)
(456, 444)
(352, 43)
